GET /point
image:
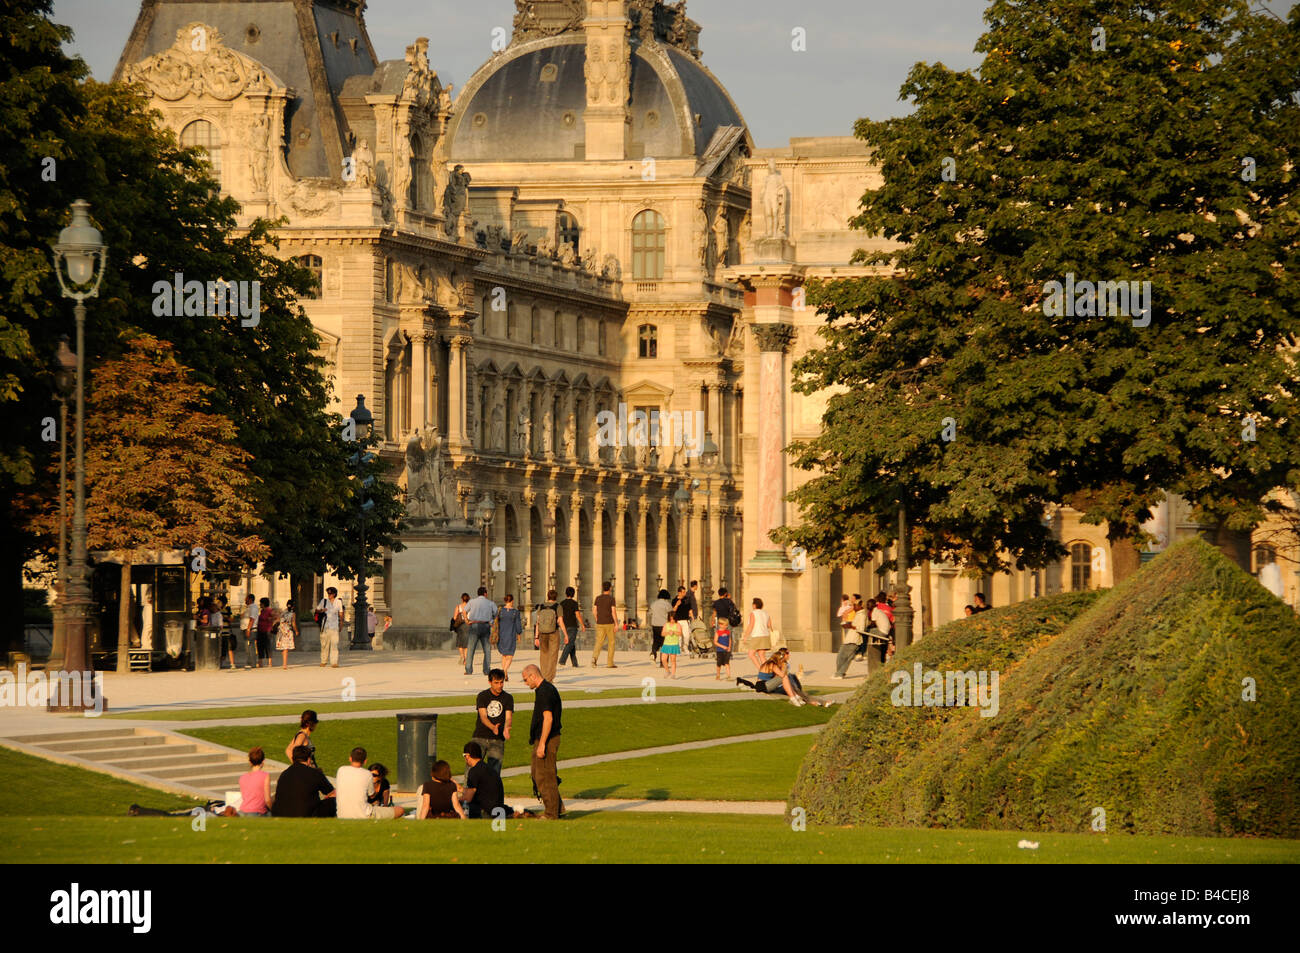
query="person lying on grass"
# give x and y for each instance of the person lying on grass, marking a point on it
(775, 678)
(439, 796)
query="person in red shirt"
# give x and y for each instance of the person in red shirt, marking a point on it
(266, 620)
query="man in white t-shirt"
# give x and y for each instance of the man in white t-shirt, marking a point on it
(352, 788)
(332, 607)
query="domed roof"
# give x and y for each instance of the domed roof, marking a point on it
(528, 103)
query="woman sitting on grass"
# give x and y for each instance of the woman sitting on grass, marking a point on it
(255, 787)
(440, 796)
(381, 793)
(775, 678)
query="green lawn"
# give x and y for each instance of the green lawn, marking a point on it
(591, 838)
(380, 704)
(34, 785)
(749, 771)
(587, 731)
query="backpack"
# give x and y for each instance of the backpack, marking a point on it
(547, 620)
(734, 616)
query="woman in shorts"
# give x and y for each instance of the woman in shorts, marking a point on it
(758, 634)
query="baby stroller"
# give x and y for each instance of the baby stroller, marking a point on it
(701, 641)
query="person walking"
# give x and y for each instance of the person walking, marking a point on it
(460, 626)
(544, 737)
(606, 622)
(510, 625)
(248, 626)
(331, 608)
(574, 623)
(758, 634)
(286, 632)
(219, 619)
(548, 626)
(853, 633)
(480, 611)
(660, 612)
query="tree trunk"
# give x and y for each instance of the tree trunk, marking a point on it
(124, 613)
(1124, 557)
(927, 600)
(1233, 543)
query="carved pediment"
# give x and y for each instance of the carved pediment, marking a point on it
(199, 63)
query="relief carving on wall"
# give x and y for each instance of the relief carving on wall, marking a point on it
(198, 63)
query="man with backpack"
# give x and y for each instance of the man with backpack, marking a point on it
(548, 625)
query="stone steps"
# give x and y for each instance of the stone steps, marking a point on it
(147, 756)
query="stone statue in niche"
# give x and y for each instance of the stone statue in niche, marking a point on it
(705, 236)
(546, 247)
(548, 433)
(523, 433)
(363, 166)
(455, 200)
(571, 437)
(258, 132)
(721, 237)
(518, 243)
(774, 201)
(497, 437)
(567, 255)
(611, 268)
(593, 446)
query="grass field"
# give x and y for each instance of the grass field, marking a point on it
(36, 786)
(589, 838)
(587, 731)
(382, 704)
(750, 771)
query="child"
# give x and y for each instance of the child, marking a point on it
(672, 646)
(722, 645)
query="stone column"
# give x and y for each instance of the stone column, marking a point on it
(714, 416)
(524, 599)
(575, 543)
(661, 550)
(773, 340)
(642, 554)
(456, 395)
(552, 566)
(620, 555)
(419, 381)
(599, 571)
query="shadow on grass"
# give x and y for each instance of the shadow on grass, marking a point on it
(600, 792)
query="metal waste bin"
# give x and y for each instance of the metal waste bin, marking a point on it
(207, 650)
(417, 749)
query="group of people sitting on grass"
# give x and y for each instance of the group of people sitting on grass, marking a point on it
(302, 790)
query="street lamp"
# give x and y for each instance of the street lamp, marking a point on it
(487, 508)
(82, 252)
(363, 421)
(709, 463)
(636, 587)
(64, 378)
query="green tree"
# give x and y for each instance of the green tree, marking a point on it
(1098, 141)
(161, 213)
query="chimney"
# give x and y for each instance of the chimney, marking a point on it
(607, 29)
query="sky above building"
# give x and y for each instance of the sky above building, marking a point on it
(856, 53)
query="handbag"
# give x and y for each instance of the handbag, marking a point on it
(777, 642)
(496, 629)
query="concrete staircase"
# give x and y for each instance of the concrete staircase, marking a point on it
(147, 756)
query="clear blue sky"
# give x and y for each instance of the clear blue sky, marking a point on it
(858, 51)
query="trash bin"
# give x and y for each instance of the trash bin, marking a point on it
(207, 650)
(417, 749)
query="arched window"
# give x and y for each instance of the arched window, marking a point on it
(1264, 554)
(648, 241)
(419, 171)
(313, 264)
(1080, 566)
(390, 281)
(203, 135)
(647, 341)
(569, 230)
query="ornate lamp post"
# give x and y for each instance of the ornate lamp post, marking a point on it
(64, 378)
(82, 253)
(363, 420)
(903, 600)
(709, 463)
(636, 586)
(487, 508)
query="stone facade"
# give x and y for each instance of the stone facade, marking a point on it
(584, 231)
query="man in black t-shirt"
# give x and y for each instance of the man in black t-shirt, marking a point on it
(484, 792)
(573, 622)
(682, 605)
(544, 738)
(303, 791)
(496, 714)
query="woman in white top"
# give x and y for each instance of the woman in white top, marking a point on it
(660, 609)
(758, 634)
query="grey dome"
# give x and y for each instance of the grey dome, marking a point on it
(528, 104)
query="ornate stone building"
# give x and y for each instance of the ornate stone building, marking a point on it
(567, 240)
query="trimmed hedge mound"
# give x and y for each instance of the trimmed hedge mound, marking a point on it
(1136, 707)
